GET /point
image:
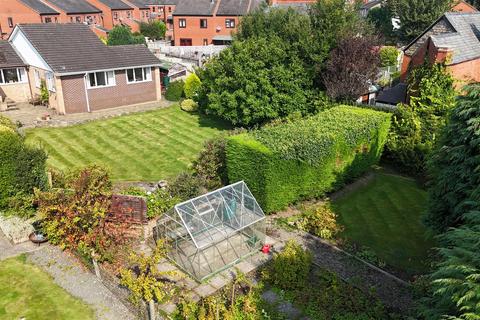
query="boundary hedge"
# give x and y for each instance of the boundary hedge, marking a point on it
(307, 158)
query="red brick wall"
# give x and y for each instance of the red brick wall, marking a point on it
(108, 17)
(106, 97)
(128, 209)
(19, 13)
(197, 34)
(462, 6)
(466, 72)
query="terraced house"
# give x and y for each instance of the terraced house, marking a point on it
(115, 12)
(80, 72)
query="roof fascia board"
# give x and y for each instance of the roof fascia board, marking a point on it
(62, 74)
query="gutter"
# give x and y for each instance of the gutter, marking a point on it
(61, 74)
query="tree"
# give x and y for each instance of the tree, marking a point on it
(416, 127)
(254, 81)
(351, 67)
(121, 35)
(388, 56)
(154, 30)
(454, 165)
(145, 281)
(417, 15)
(192, 85)
(381, 19)
(455, 284)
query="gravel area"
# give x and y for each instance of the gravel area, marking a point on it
(393, 292)
(67, 272)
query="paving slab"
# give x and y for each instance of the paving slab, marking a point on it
(205, 290)
(218, 281)
(245, 266)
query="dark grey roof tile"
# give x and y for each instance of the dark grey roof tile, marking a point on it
(116, 4)
(75, 6)
(8, 56)
(39, 6)
(195, 8)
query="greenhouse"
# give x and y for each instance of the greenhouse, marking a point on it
(214, 231)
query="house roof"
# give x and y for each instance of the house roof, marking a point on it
(39, 6)
(195, 7)
(161, 2)
(301, 7)
(116, 4)
(142, 4)
(394, 95)
(8, 56)
(464, 41)
(371, 4)
(75, 6)
(77, 49)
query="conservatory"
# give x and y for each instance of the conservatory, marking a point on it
(214, 231)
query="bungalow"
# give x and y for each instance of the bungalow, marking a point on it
(24, 11)
(452, 39)
(13, 75)
(82, 74)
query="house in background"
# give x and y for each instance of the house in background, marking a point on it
(114, 12)
(24, 11)
(453, 39)
(80, 72)
(141, 11)
(163, 10)
(76, 11)
(13, 76)
(204, 22)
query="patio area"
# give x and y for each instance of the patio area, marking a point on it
(31, 116)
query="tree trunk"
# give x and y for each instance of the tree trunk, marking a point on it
(151, 310)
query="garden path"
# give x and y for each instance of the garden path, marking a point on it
(9, 250)
(68, 273)
(395, 293)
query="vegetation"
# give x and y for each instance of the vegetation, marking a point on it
(22, 167)
(189, 105)
(185, 186)
(29, 293)
(454, 165)
(389, 56)
(351, 66)
(154, 29)
(306, 158)
(143, 278)
(192, 85)
(122, 35)
(381, 19)
(158, 202)
(175, 90)
(145, 146)
(210, 165)
(416, 127)
(44, 94)
(77, 218)
(385, 216)
(417, 15)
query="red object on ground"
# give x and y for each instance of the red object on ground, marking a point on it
(266, 248)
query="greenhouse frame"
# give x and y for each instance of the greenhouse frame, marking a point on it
(214, 231)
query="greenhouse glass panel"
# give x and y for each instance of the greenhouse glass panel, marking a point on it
(210, 233)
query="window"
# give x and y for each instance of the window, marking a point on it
(49, 79)
(203, 23)
(169, 9)
(139, 75)
(230, 23)
(147, 13)
(36, 76)
(56, 19)
(48, 20)
(101, 79)
(153, 9)
(13, 75)
(78, 19)
(115, 15)
(129, 14)
(205, 42)
(71, 19)
(10, 22)
(185, 41)
(182, 23)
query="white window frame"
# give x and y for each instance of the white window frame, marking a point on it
(50, 81)
(37, 78)
(146, 75)
(21, 76)
(182, 23)
(107, 80)
(230, 23)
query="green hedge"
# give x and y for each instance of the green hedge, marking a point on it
(309, 157)
(22, 168)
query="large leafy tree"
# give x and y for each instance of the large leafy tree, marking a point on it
(154, 30)
(350, 67)
(121, 35)
(381, 19)
(454, 166)
(417, 15)
(416, 126)
(254, 81)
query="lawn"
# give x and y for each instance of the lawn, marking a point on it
(147, 146)
(29, 293)
(385, 215)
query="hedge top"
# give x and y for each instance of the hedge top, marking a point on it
(312, 139)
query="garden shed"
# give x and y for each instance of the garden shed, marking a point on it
(209, 233)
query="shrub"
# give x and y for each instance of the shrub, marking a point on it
(309, 157)
(210, 163)
(189, 105)
(174, 90)
(291, 267)
(22, 168)
(319, 220)
(192, 85)
(21, 205)
(388, 56)
(154, 30)
(158, 202)
(185, 186)
(6, 122)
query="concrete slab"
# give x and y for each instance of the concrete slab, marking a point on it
(219, 281)
(168, 308)
(188, 283)
(245, 266)
(204, 290)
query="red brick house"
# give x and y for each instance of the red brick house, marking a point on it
(454, 39)
(114, 12)
(80, 72)
(76, 11)
(204, 22)
(163, 10)
(24, 11)
(141, 11)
